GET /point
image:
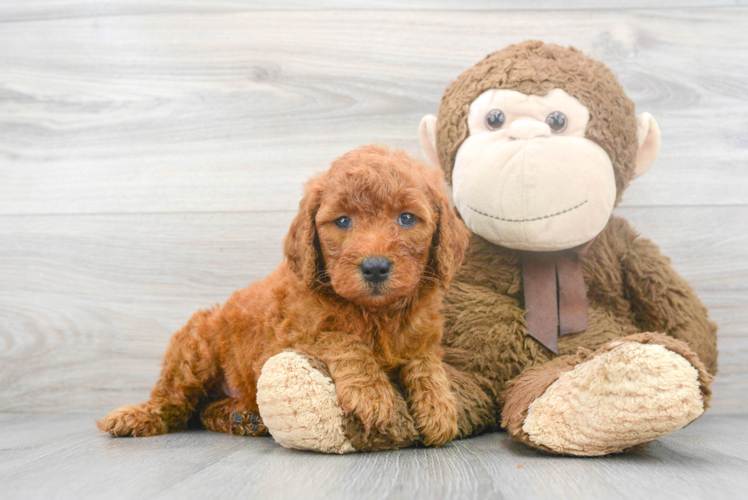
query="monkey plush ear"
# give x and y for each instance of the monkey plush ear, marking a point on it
(427, 136)
(648, 134)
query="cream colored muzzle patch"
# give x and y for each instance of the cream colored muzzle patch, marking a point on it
(543, 193)
(632, 394)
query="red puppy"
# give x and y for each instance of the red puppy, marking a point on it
(367, 259)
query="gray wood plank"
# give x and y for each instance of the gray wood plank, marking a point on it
(151, 157)
(232, 111)
(64, 456)
(88, 303)
(33, 10)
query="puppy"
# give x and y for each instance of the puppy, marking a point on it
(367, 259)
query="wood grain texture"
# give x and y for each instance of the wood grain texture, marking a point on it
(152, 156)
(89, 302)
(34, 10)
(231, 111)
(65, 456)
(151, 159)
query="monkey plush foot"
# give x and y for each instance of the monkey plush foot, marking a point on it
(299, 405)
(631, 391)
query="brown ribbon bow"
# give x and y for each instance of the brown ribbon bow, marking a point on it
(555, 294)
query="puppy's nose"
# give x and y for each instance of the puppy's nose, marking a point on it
(376, 269)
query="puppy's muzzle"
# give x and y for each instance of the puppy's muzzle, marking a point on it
(376, 269)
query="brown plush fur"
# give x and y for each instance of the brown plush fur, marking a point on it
(534, 67)
(318, 302)
(631, 287)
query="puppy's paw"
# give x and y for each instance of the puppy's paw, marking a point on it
(373, 404)
(436, 418)
(231, 416)
(135, 421)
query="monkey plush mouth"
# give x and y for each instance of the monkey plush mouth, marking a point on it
(528, 220)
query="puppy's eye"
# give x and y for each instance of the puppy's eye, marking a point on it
(557, 121)
(406, 220)
(495, 119)
(343, 222)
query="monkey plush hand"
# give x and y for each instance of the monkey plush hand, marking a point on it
(563, 325)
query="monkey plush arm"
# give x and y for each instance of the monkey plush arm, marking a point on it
(661, 299)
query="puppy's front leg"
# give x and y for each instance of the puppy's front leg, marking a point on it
(362, 386)
(430, 399)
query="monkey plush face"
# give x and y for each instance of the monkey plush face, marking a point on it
(538, 142)
(552, 187)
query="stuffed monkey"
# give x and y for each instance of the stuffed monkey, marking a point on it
(563, 326)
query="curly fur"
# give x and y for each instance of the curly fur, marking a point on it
(318, 302)
(534, 67)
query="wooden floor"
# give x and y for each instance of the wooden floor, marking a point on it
(58, 456)
(151, 159)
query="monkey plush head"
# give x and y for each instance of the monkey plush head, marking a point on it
(538, 142)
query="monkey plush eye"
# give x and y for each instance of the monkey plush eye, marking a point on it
(343, 222)
(495, 119)
(557, 121)
(406, 220)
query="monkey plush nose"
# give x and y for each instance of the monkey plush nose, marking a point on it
(376, 269)
(529, 129)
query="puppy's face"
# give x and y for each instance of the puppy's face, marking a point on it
(376, 226)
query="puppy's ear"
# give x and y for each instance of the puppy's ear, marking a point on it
(450, 239)
(301, 245)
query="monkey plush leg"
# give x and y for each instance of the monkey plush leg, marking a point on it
(631, 391)
(299, 406)
(232, 416)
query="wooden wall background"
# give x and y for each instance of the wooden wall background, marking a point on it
(152, 156)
